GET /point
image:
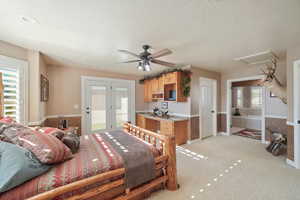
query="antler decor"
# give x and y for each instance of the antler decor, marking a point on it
(272, 83)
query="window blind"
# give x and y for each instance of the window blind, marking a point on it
(11, 105)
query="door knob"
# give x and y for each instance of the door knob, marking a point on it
(87, 112)
(212, 111)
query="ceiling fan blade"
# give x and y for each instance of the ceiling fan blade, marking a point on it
(128, 52)
(161, 53)
(131, 61)
(164, 63)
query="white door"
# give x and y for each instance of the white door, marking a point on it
(96, 108)
(207, 107)
(106, 104)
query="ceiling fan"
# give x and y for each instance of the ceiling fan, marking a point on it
(146, 58)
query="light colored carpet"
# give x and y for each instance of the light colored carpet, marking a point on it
(258, 176)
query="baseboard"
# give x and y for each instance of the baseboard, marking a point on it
(291, 163)
(222, 133)
(193, 141)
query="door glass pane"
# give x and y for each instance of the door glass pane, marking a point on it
(98, 108)
(121, 105)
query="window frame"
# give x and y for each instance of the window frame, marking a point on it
(261, 97)
(242, 97)
(22, 67)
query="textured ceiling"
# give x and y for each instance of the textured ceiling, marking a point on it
(205, 33)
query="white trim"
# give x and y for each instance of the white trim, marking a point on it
(296, 99)
(194, 141)
(61, 116)
(173, 114)
(276, 116)
(229, 104)
(290, 123)
(222, 113)
(38, 123)
(215, 92)
(291, 163)
(223, 133)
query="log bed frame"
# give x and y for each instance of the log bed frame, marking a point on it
(165, 168)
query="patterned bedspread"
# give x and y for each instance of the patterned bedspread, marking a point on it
(95, 156)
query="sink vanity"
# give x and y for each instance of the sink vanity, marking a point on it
(171, 125)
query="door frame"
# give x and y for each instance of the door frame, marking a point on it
(296, 114)
(229, 105)
(101, 79)
(215, 92)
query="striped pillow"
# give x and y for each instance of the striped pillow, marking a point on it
(52, 131)
(47, 148)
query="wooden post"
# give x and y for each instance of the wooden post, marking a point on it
(170, 151)
(126, 127)
(1, 96)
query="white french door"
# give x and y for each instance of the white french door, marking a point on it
(106, 103)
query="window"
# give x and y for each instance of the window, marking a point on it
(256, 97)
(14, 85)
(239, 97)
(10, 79)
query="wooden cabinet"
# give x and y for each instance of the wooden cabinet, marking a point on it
(170, 78)
(147, 91)
(166, 127)
(179, 88)
(140, 121)
(179, 129)
(160, 88)
(161, 85)
(154, 85)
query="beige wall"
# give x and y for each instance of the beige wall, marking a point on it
(65, 89)
(10, 50)
(247, 71)
(43, 70)
(195, 87)
(293, 54)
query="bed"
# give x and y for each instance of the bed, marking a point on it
(97, 171)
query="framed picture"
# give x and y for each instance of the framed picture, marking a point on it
(44, 88)
(272, 94)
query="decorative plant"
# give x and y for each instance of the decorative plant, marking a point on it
(186, 85)
(185, 72)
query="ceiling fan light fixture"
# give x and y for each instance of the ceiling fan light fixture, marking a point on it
(140, 66)
(147, 68)
(147, 65)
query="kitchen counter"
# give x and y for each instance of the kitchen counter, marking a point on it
(171, 126)
(169, 118)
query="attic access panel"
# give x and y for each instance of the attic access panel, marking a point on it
(258, 58)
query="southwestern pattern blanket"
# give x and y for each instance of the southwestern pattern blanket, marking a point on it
(96, 156)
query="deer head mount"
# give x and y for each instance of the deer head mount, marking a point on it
(270, 81)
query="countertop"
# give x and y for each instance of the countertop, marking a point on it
(170, 118)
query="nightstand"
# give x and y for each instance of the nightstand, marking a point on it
(72, 129)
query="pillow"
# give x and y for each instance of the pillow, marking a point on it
(52, 131)
(11, 132)
(17, 165)
(7, 120)
(72, 141)
(47, 148)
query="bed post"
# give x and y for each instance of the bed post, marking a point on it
(170, 151)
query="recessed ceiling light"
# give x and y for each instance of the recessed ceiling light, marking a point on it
(27, 19)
